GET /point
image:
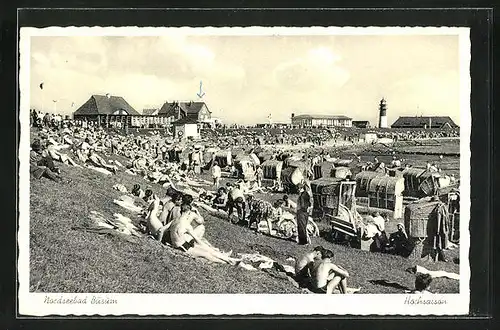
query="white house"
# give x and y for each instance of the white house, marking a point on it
(186, 127)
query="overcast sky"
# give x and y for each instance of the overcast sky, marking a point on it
(246, 78)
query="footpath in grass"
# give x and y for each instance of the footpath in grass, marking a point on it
(63, 259)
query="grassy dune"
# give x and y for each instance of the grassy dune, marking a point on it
(64, 259)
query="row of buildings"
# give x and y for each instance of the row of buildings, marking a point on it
(188, 117)
(108, 110)
(415, 122)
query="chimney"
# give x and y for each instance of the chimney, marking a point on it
(430, 122)
(293, 115)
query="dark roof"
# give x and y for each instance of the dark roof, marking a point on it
(360, 121)
(148, 111)
(186, 120)
(103, 105)
(188, 109)
(321, 117)
(436, 121)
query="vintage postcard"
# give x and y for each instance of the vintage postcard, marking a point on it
(256, 170)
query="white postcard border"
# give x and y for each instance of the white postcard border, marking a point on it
(43, 304)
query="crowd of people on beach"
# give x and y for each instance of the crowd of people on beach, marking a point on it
(174, 219)
(419, 134)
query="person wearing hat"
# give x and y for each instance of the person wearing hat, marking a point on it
(380, 240)
(398, 242)
(379, 221)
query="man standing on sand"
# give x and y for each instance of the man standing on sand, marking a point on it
(304, 209)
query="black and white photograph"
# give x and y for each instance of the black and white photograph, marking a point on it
(250, 170)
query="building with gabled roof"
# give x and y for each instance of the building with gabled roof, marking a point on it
(178, 110)
(105, 105)
(424, 122)
(105, 109)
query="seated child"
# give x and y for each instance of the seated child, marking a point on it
(304, 264)
(326, 276)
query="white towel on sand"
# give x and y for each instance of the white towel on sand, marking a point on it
(98, 169)
(127, 206)
(437, 273)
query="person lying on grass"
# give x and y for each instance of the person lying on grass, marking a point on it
(254, 187)
(303, 265)
(188, 239)
(98, 161)
(326, 276)
(52, 151)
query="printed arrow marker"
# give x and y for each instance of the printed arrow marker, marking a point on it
(201, 93)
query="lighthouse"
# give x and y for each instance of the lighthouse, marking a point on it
(382, 121)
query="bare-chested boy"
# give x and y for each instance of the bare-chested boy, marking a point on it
(304, 264)
(326, 276)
